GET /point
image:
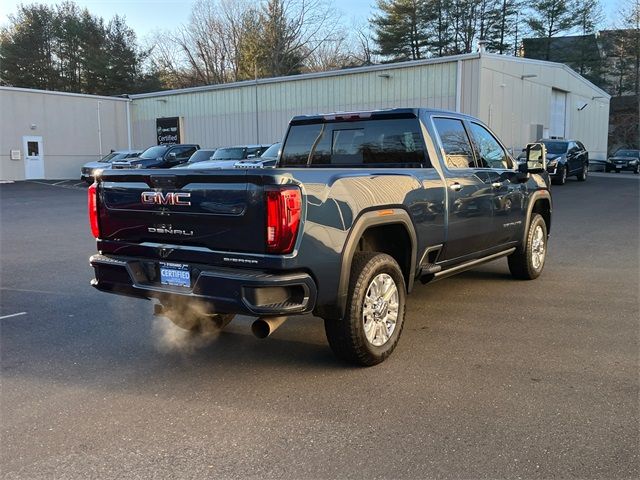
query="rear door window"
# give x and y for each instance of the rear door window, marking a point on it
(490, 152)
(371, 143)
(455, 142)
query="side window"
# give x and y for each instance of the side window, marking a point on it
(455, 142)
(490, 152)
(183, 153)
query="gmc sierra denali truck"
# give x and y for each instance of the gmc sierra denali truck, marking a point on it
(360, 206)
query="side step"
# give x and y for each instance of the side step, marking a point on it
(473, 263)
(430, 269)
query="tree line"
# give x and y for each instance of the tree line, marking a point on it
(67, 48)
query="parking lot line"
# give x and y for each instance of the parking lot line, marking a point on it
(13, 315)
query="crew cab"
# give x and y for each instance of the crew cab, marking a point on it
(360, 207)
(159, 156)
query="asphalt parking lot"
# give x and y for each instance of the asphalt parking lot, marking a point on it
(493, 378)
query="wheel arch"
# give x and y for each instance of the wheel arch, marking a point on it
(540, 203)
(367, 233)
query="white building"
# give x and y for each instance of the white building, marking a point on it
(51, 134)
(522, 100)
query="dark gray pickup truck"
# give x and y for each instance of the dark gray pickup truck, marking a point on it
(360, 206)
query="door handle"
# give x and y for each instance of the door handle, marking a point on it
(456, 187)
(496, 185)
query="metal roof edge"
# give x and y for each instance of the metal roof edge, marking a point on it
(306, 76)
(534, 61)
(66, 94)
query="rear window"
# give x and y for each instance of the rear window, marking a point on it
(371, 143)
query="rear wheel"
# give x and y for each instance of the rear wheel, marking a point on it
(582, 176)
(637, 169)
(374, 315)
(527, 262)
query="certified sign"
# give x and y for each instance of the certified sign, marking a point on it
(168, 130)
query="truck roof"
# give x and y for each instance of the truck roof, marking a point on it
(372, 114)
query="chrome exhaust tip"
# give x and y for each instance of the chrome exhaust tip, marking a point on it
(263, 327)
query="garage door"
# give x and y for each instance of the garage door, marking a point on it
(558, 114)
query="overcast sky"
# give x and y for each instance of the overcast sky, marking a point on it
(145, 16)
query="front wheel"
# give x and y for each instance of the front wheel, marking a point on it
(562, 179)
(374, 315)
(527, 262)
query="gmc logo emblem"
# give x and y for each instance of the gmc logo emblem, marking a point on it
(169, 198)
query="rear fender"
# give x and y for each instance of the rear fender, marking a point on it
(368, 219)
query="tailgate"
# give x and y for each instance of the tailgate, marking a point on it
(218, 210)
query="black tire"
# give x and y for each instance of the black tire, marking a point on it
(347, 336)
(563, 176)
(637, 170)
(522, 264)
(582, 176)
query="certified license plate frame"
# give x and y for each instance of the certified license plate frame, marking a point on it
(175, 274)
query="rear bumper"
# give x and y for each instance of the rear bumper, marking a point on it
(223, 290)
(622, 167)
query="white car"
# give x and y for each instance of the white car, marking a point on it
(88, 170)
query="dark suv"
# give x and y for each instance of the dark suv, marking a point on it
(565, 159)
(159, 156)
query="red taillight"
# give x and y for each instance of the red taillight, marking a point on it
(92, 196)
(284, 205)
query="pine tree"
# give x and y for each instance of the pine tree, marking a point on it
(550, 18)
(67, 48)
(400, 29)
(26, 49)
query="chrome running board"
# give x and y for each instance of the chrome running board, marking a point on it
(473, 263)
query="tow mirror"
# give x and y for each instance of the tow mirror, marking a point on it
(536, 159)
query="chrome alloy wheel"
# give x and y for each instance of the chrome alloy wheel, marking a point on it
(380, 310)
(538, 250)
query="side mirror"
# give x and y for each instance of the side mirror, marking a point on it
(536, 158)
(172, 156)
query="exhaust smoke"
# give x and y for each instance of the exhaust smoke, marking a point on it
(184, 326)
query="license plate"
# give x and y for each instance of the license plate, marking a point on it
(175, 274)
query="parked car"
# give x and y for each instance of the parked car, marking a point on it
(159, 156)
(268, 159)
(624, 159)
(89, 170)
(198, 156)
(361, 207)
(598, 164)
(566, 158)
(227, 157)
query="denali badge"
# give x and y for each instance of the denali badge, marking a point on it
(169, 230)
(169, 198)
